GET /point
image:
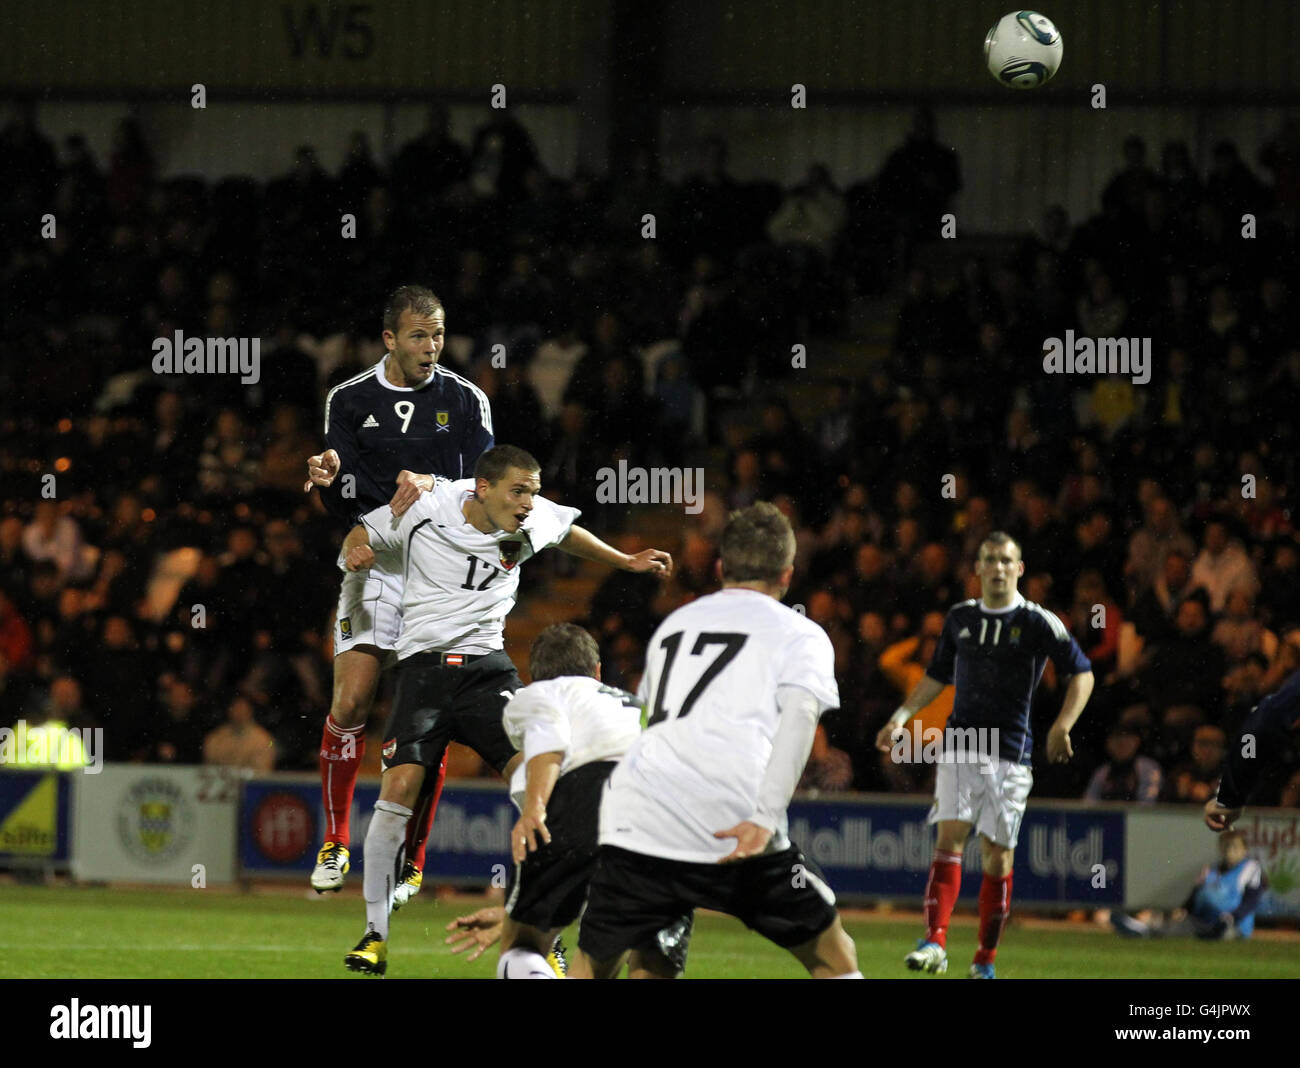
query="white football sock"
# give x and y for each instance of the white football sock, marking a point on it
(848, 975)
(385, 840)
(521, 963)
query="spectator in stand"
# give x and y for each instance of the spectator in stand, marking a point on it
(131, 169)
(119, 681)
(54, 536)
(1280, 596)
(829, 770)
(1239, 632)
(1102, 312)
(1281, 155)
(931, 586)
(1126, 775)
(431, 163)
(1159, 533)
(1232, 186)
(501, 155)
(359, 173)
(1195, 780)
(1156, 608)
(1243, 686)
(1222, 567)
(1127, 192)
(1095, 549)
(1095, 623)
(228, 462)
(240, 742)
(904, 663)
(917, 183)
(177, 736)
(1186, 668)
(16, 646)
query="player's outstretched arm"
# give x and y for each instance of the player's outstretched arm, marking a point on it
(1059, 749)
(925, 691)
(530, 831)
(790, 748)
(356, 553)
(585, 545)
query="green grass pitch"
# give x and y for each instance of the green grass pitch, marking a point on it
(99, 933)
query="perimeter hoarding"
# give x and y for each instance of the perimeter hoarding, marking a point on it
(35, 817)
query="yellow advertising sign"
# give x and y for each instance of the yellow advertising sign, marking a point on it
(32, 828)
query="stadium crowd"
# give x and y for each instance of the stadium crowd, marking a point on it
(163, 575)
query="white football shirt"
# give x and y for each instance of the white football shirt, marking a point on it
(712, 672)
(576, 715)
(459, 584)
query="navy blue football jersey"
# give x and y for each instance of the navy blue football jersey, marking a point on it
(1261, 743)
(379, 429)
(994, 658)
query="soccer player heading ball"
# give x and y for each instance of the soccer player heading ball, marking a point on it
(993, 650)
(406, 414)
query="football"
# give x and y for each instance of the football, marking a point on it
(1023, 49)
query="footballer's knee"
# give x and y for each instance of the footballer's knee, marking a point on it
(952, 835)
(347, 712)
(830, 954)
(356, 676)
(401, 785)
(997, 860)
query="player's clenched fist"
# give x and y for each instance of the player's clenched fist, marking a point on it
(359, 558)
(655, 561)
(322, 470)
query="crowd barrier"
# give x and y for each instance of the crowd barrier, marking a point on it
(149, 824)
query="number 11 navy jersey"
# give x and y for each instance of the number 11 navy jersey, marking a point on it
(995, 657)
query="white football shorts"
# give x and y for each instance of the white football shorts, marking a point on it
(990, 796)
(369, 610)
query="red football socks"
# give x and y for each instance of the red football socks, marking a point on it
(995, 907)
(417, 828)
(941, 892)
(340, 760)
